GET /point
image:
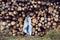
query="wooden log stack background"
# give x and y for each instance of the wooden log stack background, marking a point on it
(45, 16)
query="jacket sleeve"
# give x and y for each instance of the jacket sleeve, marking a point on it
(24, 27)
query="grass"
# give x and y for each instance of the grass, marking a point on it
(51, 35)
(28, 38)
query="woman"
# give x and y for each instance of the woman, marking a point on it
(27, 25)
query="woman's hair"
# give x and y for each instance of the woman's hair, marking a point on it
(27, 14)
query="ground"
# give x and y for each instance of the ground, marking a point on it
(51, 35)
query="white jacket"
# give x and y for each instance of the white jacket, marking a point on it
(27, 25)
